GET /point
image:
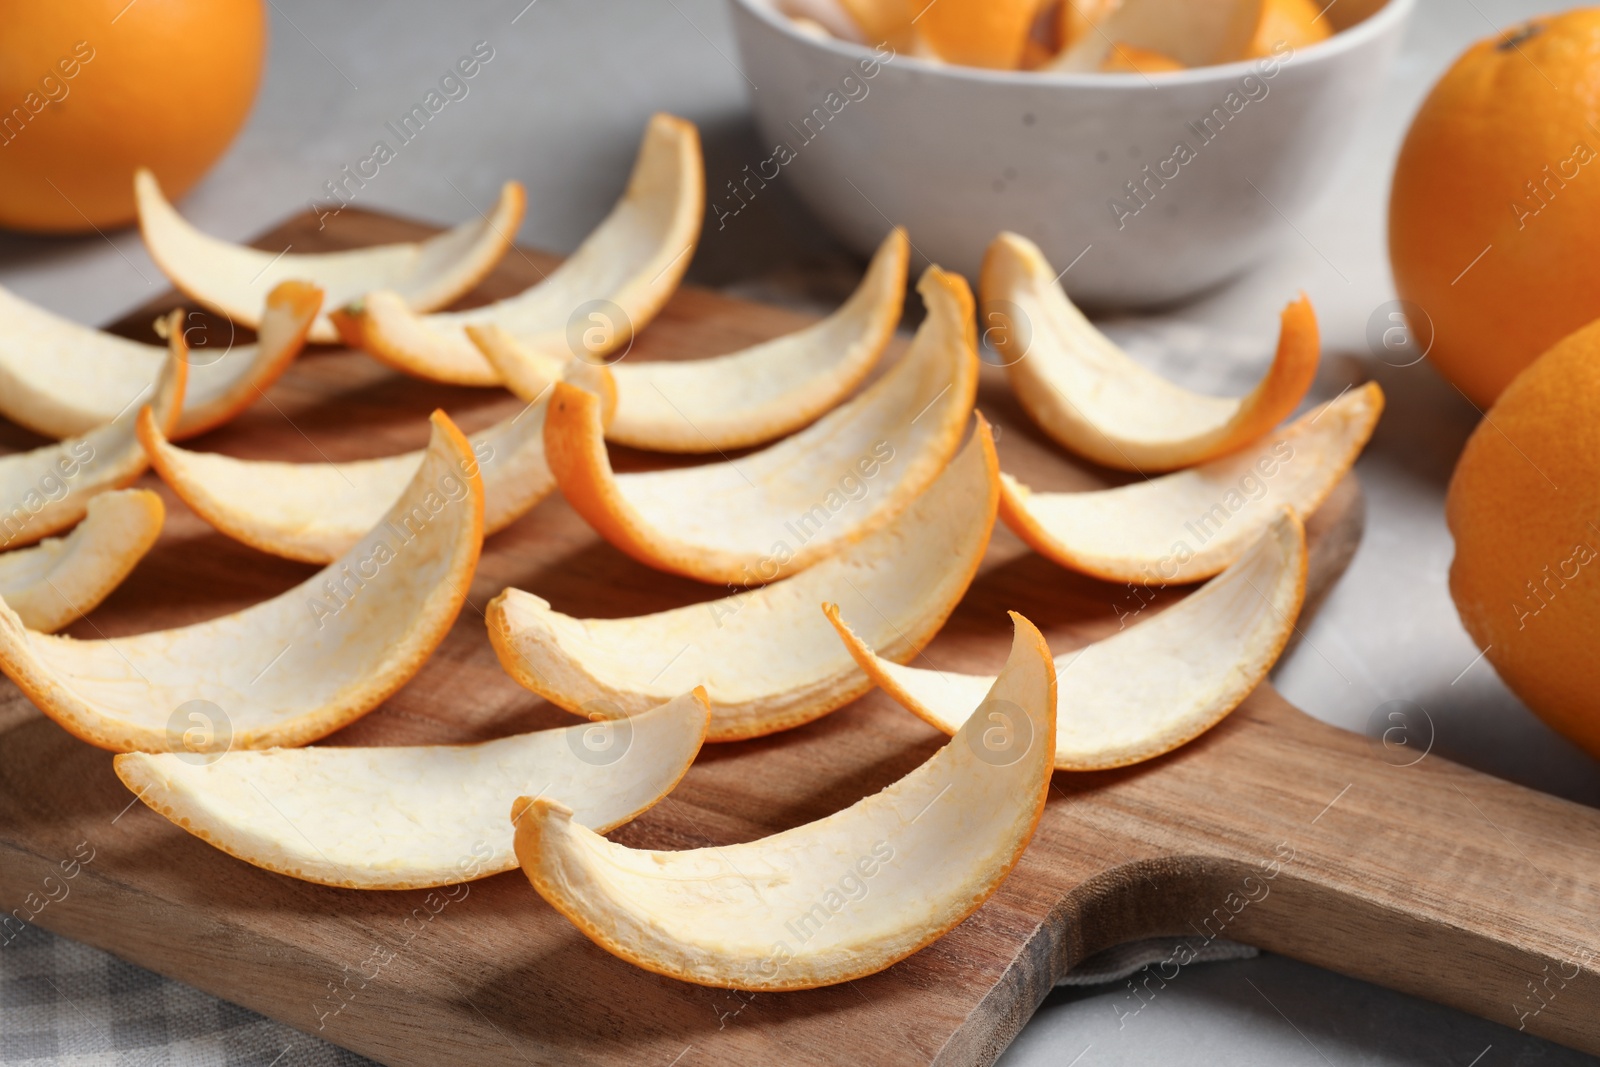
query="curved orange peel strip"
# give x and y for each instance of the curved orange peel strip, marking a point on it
(418, 816)
(48, 489)
(624, 273)
(927, 851)
(288, 670)
(314, 512)
(61, 379)
(1075, 20)
(1149, 688)
(891, 21)
(231, 279)
(1189, 33)
(1131, 59)
(1188, 526)
(978, 33)
(742, 398)
(1094, 400)
(767, 657)
(783, 509)
(62, 579)
(1295, 23)
(822, 18)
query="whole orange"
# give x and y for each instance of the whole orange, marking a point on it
(1524, 508)
(91, 90)
(1496, 201)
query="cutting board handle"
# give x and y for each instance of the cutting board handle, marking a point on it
(1378, 859)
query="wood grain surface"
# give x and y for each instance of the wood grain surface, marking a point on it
(1272, 829)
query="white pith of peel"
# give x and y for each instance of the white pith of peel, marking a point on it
(47, 489)
(61, 579)
(721, 522)
(232, 279)
(634, 260)
(314, 512)
(1188, 526)
(767, 657)
(1149, 688)
(783, 912)
(1094, 400)
(743, 398)
(1194, 34)
(413, 817)
(291, 669)
(61, 379)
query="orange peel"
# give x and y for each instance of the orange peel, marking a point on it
(61, 579)
(891, 21)
(1131, 59)
(1094, 400)
(978, 33)
(1149, 688)
(413, 817)
(1295, 23)
(605, 292)
(1191, 525)
(61, 379)
(230, 279)
(314, 512)
(824, 18)
(1191, 34)
(743, 398)
(767, 657)
(829, 901)
(47, 489)
(780, 510)
(288, 670)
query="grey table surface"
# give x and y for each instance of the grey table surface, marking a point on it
(560, 108)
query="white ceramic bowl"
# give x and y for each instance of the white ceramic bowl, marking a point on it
(957, 154)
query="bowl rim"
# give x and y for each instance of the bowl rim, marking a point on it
(1387, 19)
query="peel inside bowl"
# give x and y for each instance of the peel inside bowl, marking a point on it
(1191, 33)
(769, 914)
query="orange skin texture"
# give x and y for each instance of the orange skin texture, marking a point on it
(529, 838)
(978, 33)
(1513, 527)
(1294, 368)
(1293, 22)
(1073, 20)
(1131, 59)
(884, 21)
(167, 86)
(1509, 108)
(304, 300)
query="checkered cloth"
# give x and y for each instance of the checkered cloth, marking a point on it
(68, 1004)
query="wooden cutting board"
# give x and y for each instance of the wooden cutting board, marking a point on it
(1273, 829)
